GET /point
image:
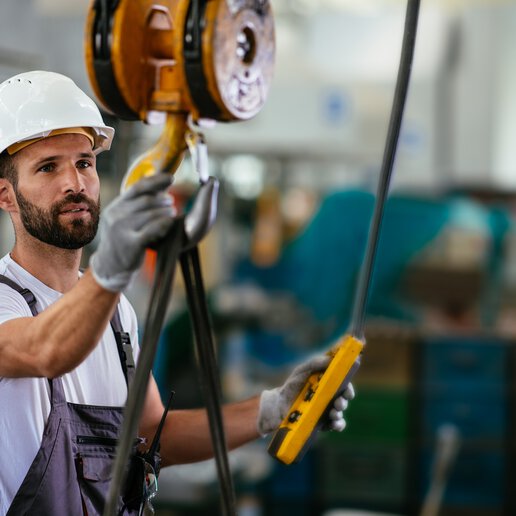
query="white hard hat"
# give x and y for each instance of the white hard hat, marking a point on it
(33, 104)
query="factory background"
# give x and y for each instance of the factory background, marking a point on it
(298, 185)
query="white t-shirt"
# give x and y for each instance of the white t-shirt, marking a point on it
(25, 402)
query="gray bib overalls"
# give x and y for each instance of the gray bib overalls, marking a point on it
(70, 474)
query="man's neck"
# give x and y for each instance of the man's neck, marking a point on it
(56, 268)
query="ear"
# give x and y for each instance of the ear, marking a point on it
(7, 197)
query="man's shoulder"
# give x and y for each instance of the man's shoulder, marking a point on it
(4, 265)
(13, 271)
(12, 303)
(9, 285)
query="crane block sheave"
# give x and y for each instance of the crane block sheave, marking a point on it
(152, 60)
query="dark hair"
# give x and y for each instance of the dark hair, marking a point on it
(8, 168)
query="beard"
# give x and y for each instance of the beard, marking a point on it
(45, 225)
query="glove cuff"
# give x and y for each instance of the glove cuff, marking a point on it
(269, 414)
(115, 283)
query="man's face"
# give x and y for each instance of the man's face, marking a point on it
(57, 191)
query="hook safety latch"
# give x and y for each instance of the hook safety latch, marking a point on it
(202, 216)
(198, 149)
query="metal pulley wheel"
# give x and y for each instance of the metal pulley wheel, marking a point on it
(211, 58)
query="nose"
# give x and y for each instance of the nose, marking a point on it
(74, 180)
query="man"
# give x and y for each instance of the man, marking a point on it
(62, 379)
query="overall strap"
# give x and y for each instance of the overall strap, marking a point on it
(57, 394)
(123, 344)
(25, 292)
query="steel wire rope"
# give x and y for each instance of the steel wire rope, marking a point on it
(207, 362)
(167, 256)
(396, 118)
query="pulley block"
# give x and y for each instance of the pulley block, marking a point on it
(208, 58)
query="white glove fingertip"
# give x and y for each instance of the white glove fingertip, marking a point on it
(339, 425)
(349, 393)
(164, 200)
(340, 403)
(269, 412)
(335, 415)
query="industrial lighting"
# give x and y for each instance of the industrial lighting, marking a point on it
(244, 175)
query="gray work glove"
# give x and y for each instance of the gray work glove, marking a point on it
(275, 403)
(141, 215)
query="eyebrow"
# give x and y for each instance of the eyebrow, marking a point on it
(57, 157)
